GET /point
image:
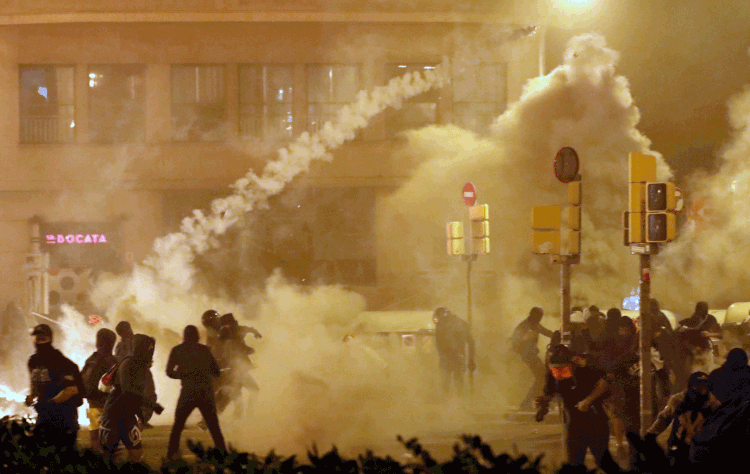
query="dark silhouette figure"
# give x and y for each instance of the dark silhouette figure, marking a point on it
(195, 367)
(124, 348)
(455, 348)
(730, 383)
(581, 386)
(525, 342)
(97, 365)
(56, 392)
(124, 405)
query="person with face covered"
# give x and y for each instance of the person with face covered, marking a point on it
(123, 407)
(701, 320)
(210, 321)
(56, 393)
(525, 342)
(233, 357)
(686, 411)
(97, 365)
(124, 348)
(582, 386)
(195, 367)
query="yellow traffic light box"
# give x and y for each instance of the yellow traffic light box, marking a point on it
(546, 217)
(455, 238)
(641, 167)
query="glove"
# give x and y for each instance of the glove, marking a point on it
(158, 409)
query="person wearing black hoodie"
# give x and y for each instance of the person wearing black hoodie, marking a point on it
(194, 365)
(124, 348)
(56, 393)
(730, 383)
(97, 365)
(125, 401)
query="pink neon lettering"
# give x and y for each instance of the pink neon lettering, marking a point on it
(60, 239)
(95, 238)
(79, 239)
(70, 238)
(76, 238)
(51, 239)
(87, 240)
(102, 239)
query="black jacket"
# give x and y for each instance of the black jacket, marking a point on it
(132, 379)
(96, 365)
(193, 364)
(51, 372)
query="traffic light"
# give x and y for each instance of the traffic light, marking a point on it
(455, 235)
(660, 197)
(480, 228)
(545, 234)
(661, 226)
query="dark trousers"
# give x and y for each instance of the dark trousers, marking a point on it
(190, 399)
(453, 374)
(538, 370)
(585, 434)
(53, 433)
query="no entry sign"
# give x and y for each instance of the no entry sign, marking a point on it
(469, 194)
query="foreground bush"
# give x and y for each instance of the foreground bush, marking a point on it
(20, 454)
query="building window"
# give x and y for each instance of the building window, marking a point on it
(266, 101)
(117, 103)
(329, 87)
(46, 104)
(198, 103)
(415, 112)
(479, 95)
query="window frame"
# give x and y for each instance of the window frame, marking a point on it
(71, 106)
(219, 131)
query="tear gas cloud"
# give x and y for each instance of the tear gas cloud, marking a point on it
(709, 260)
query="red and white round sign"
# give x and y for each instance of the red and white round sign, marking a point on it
(469, 194)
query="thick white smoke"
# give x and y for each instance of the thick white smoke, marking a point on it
(709, 259)
(584, 104)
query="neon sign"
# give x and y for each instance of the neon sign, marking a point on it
(76, 239)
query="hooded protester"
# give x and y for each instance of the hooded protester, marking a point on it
(525, 342)
(124, 348)
(195, 367)
(581, 385)
(56, 393)
(701, 320)
(124, 403)
(233, 358)
(673, 354)
(687, 411)
(731, 382)
(97, 365)
(455, 349)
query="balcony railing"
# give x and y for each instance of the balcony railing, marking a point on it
(45, 129)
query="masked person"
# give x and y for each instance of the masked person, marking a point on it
(730, 383)
(455, 348)
(124, 348)
(686, 411)
(525, 342)
(581, 385)
(195, 367)
(56, 393)
(95, 367)
(119, 422)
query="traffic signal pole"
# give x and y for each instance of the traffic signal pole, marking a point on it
(565, 298)
(645, 344)
(469, 259)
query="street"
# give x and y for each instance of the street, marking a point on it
(521, 437)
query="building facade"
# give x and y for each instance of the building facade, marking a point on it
(123, 116)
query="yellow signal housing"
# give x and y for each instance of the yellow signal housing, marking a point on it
(455, 230)
(636, 197)
(545, 241)
(635, 230)
(480, 229)
(641, 167)
(479, 212)
(574, 193)
(481, 246)
(456, 247)
(570, 242)
(546, 217)
(571, 217)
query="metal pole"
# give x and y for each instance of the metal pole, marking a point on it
(645, 342)
(565, 299)
(468, 289)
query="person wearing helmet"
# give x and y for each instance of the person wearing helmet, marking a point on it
(233, 357)
(525, 342)
(210, 321)
(455, 348)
